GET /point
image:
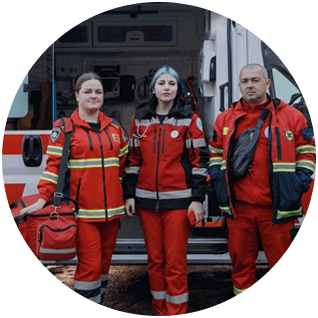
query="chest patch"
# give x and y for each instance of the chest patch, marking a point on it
(116, 138)
(55, 134)
(288, 134)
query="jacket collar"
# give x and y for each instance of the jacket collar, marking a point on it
(103, 120)
(273, 104)
(148, 110)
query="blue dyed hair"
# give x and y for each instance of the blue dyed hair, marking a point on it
(166, 70)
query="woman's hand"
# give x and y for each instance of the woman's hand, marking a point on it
(130, 207)
(38, 205)
(197, 208)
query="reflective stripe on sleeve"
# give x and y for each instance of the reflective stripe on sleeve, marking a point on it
(123, 151)
(215, 161)
(287, 214)
(200, 171)
(196, 143)
(49, 176)
(132, 170)
(306, 149)
(215, 150)
(223, 165)
(306, 164)
(54, 150)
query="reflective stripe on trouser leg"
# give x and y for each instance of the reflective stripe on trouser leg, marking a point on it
(151, 225)
(109, 235)
(90, 275)
(237, 291)
(166, 235)
(89, 290)
(176, 235)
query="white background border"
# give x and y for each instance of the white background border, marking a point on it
(28, 28)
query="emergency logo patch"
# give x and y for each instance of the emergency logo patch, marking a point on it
(225, 129)
(266, 132)
(55, 133)
(289, 134)
(116, 137)
(199, 124)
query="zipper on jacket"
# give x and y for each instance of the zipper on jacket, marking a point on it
(89, 140)
(279, 149)
(110, 141)
(163, 139)
(157, 171)
(154, 140)
(103, 173)
(191, 143)
(78, 189)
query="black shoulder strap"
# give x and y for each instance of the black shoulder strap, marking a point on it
(68, 129)
(262, 118)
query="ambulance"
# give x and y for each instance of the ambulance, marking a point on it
(126, 46)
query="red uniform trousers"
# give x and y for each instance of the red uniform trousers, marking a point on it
(95, 247)
(252, 220)
(166, 234)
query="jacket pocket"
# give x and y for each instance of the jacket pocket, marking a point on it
(290, 192)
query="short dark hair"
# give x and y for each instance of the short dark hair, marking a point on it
(84, 78)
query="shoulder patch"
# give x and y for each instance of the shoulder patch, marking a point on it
(114, 123)
(55, 133)
(225, 129)
(199, 123)
(307, 133)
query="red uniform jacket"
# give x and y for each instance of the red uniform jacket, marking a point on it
(167, 162)
(96, 166)
(291, 159)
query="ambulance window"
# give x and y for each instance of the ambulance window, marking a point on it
(283, 87)
(283, 84)
(32, 106)
(151, 33)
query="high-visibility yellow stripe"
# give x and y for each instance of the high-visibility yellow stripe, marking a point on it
(306, 149)
(215, 162)
(54, 150)
(92, 163)
(306, 164)
(123, 151)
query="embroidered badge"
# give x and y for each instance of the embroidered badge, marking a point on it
(225, 129)
(116, 137)
(289, 134)
(55, 134)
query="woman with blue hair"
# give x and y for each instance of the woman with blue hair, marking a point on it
(165, 180)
